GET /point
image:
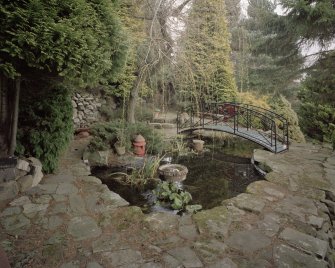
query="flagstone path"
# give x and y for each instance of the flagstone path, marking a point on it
(72, 220)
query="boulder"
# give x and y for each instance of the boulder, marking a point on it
(25, 183)
(23, 165)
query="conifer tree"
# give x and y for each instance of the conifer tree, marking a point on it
(206, 70)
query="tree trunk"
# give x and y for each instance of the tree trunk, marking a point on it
(134, 97)
(4, 116)
(15, 117)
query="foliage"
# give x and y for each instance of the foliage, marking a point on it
(205, 69)
(268, 55)
(312, 20)
(317, 111)
(281, 106)
(45, 122)
(106, 134)
(80, 40)
(253, 98)
(168, 192)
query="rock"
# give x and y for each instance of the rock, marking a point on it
(11, 211)
(84, 227)
(35, 162)
(315, 221)
(8, 190)
(66, 188)
(77, 204)
(59, 178)
(43, 199)
(23, 165)
(20, 201)
(98, 158)
(249, 202)
(188, 232)
(108, 243)
(170, 262)
(123, 257)
(266, 188)
(59, 197)
(25, 183)
(161, 221)
(90, 179)
(93, 265)
(215, 221)
(15, 222)
(72, 264)
(54, 222)
(37, 175)
(224, 263)
(171, 240)
(304, 242)
(114, 199)
(186, 256)
(285, 256)
(33, 208)
(210, 250)
(297, 207)
(269, 226)
(47, 188)
(248, 241)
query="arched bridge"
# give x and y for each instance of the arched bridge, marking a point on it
(256, 124)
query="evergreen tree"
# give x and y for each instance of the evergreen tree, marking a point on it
(76, 41)
(205, 55)
(317, 110)
(274, 59)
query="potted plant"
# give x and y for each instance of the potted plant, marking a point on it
(120, 145)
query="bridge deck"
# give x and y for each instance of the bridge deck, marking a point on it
(250, 134)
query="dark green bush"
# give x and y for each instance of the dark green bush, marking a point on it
(45, 124)
(106, 134)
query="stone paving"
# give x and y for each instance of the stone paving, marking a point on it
(72, 220)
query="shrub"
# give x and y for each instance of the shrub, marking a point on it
(45, 125)
(106, 134)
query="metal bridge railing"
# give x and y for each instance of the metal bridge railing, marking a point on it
(259, 124)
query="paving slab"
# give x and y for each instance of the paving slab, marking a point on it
(123, 257)
(285, 256)
(248, 241)
(84, 227)
(186, 256)
(304, 242)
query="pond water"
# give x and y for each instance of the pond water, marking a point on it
(213, 176)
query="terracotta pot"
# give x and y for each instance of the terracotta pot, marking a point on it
(198, 145)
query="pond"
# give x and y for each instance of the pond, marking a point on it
(213, 176)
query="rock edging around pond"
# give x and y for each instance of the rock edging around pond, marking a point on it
(72, 220)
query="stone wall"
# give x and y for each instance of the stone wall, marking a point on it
(86, 109)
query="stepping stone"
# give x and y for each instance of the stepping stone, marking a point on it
(108, 243)
(15, 222)
(66, 188)
(188, 232)
(304, 242)
(186, 256)
(11, 211)
(93, 265)
(266, 188)
(210, 250)
(248, 241)
(77, 204)
(224, 263)
(124, 257)
(162, 221)
(33, 208)
(249, 202)
(84, 227)
(49, 188)
(20, 201)
(114, 199)
(43, 199)
(72, 264)
(285, 256)
(59, 178)
(170, 262)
